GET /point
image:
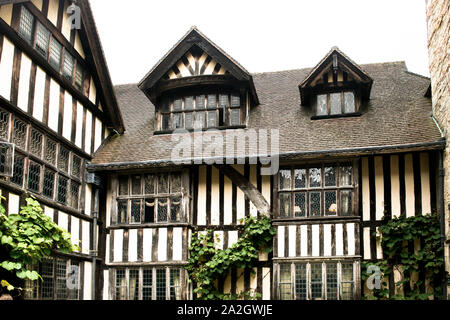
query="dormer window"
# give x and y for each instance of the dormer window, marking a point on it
(201, 111)
(336, 103)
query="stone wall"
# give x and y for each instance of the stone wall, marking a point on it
(438, 23)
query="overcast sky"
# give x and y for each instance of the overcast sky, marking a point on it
(263, 35)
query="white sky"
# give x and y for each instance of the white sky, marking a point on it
(263, 35)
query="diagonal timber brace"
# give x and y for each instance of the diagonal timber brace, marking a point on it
(249, 189)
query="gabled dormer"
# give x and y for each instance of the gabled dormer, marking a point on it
(335, 87)
(197, 85)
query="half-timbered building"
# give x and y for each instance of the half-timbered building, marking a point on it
(196, 151)
(57, 107)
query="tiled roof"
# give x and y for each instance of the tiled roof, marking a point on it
(397, 115)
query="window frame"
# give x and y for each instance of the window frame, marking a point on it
(342, 92)
(323, 189)
(154, 269)
(324, 278)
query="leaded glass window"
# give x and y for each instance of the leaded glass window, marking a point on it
(74, 194)
(175, 285)
(4, 124)
(147, 284)
(68, 66)
(135, 211)
(54, 57)
(61, 281)
(49, 183)
(42, 40)
(34, 176)
(285, 282)
(62, 189)
(19, 164)
(335, 103)
(79, 77)
(50, 151)
(20, 134)
(76, 166)
(326, 190)
(133, 289)
(316, 281)
(26, 25)
(160, 284)
(48, 279)
(332, 281)
(63, 159)
(36, 139)
(347, 282)
(301, 284)
(120, 285)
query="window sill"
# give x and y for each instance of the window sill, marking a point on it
(200, 130)
(315, 219)
(335, 116)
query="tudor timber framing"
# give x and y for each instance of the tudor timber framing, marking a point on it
(250, 191)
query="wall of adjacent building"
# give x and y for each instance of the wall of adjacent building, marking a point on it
(438, 23)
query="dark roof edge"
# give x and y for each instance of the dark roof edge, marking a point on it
(435, 145)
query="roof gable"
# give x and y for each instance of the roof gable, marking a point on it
(213, 61)
(335, 66)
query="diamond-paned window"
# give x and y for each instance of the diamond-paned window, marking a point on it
(49, 183)
(34, 176)
(74, 194)
(63, 159)
(36, 139)
(19, 165)
(76, 166)
(62, 189)
(20, 134)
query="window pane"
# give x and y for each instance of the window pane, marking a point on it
(50, 151)
(285, 282)
(76, 166)
(330, 203)
(42, 40)
(322, 107)
(300, 179)
(122, 209)
(235, 100)
(177, 104)
(61, 286)
(163, 183)
(200, 120)
(4, 124)
(47, 276)
(68, 66)
(315, 178)
(36, 143)
(189, 120)
(346, 203)
(175, 285)
(74, 275)
(165, 106)
(346, 176)
(177, 120)
(63, 159)
(133, 287)
(26, 25)
(136, 186)
(3, 156)
(315, 203)
(20, 133)
(149, 182)
(62, 189)
(123, 186)
(147, 282)
(175, 182)
(300, 282)
(175, 209)
(149, 214)
(34, 176)
(55, 54)
(165, 122)
(212, 101)
(235, 117)
(189, 103)
(349, 102)
(74, 194)
(300, 205)
(200, 102)
(331, 281)
(285, 205)
(335, 103)
(121, 285)
(162, 210)
(135, 211)
(19, 162)
(223, 100)
(347, 281)
(330, 176)
(49, 183)
(285, 179)
(212, 119)
(316, 281)
(79, 77)
(160, 284)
